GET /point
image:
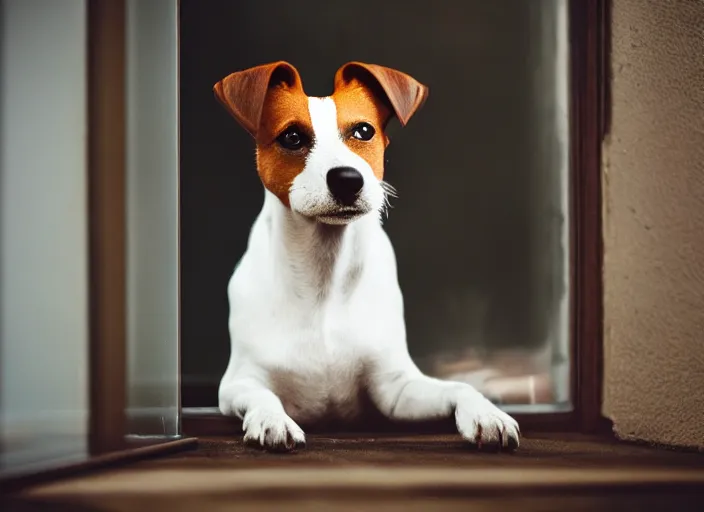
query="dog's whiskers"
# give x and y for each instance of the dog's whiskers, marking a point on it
(389, 191)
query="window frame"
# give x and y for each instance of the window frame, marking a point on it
(589, 40)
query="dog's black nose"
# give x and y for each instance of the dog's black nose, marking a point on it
(344, 184)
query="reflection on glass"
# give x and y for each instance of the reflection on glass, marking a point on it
(43, 235)
(493, 292)
(480, 227)
(152, 218)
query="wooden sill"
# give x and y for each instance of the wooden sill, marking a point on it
(398, 473)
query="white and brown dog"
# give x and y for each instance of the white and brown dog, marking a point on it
(316, 313)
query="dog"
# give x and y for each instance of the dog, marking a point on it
(316, 317)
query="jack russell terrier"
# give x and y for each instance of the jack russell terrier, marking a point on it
(316, 313)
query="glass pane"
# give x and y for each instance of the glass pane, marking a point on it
(480, 228)
(43, 234)
(152, 222)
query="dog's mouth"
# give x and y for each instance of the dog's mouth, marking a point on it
(341, 216)
(345, 213)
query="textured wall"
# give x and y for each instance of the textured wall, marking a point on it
(654, 223)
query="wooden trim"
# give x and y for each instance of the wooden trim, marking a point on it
(134, 450)
(107, 232)
(178, 149)
(589, 34)
(589, 25)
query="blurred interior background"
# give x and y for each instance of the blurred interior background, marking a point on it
(480, 227)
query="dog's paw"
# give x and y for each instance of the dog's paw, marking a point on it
(482, 423)
(272, 430)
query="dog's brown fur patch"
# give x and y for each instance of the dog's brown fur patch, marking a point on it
(277, 167)
(355, 104)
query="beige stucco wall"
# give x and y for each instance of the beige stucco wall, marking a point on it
(653, 180)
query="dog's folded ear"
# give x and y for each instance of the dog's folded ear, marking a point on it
(404, 93)
(243, 93)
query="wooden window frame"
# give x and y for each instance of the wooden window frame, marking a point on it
(109, 427)
(107, 224)
(590, 76)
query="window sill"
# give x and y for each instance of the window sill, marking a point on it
(418, 472)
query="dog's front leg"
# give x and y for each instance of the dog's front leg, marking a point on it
(264, 420)
(403, 393)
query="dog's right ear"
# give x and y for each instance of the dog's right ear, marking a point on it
(405, 94)
(242, 93)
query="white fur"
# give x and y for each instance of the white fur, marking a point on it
(316, 317)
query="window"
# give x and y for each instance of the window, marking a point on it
(498, 215)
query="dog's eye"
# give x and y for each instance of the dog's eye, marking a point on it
(363, 131)
(292, 139)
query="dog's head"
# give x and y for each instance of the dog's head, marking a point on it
(322, 157)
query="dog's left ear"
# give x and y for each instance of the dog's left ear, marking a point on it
(405, 94)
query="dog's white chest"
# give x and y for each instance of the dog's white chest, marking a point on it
(325, 385)
(309, 332)
(317, 365)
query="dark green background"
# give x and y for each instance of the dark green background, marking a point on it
(476, 227)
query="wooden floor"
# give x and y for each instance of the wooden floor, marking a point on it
(388, 473)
